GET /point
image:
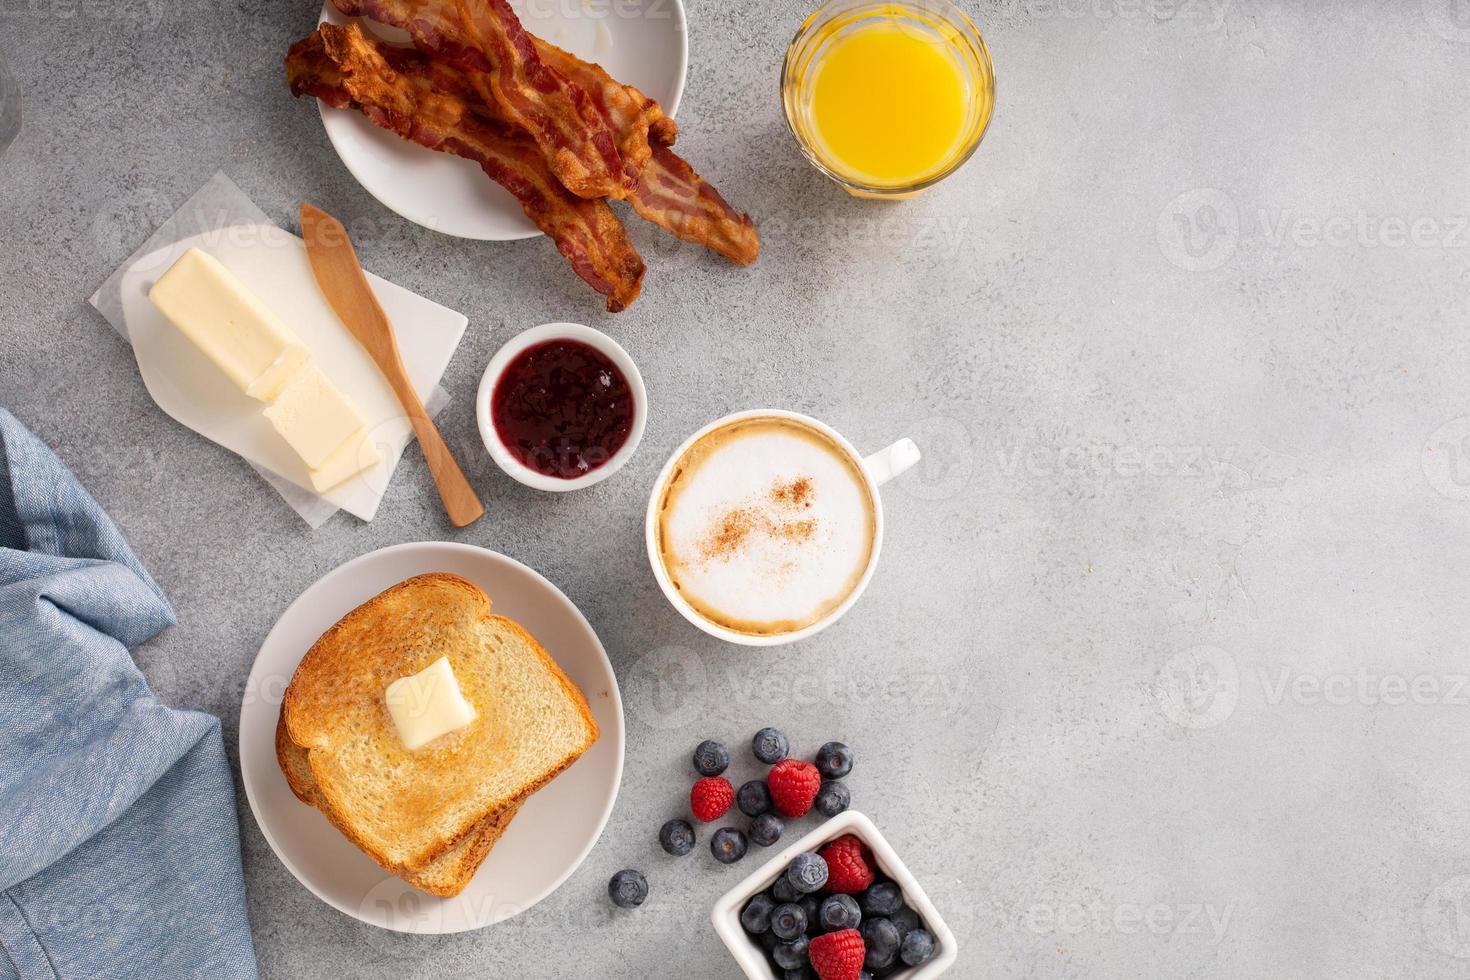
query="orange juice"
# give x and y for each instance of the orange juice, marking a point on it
(888, 97)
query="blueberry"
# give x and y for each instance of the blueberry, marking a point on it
(879, 960)
(807, 873)
(766, 829)
(770, 745)
(800, 973)
(839, 912)
(676, 837)
(753, 798)
(727, 845)
(768, 940)
(756, 916)
(905, 920)
(783, 891)
(866, 975)
(812, 906)
(627, 889)
(792, 955)
(917, 947)
(880, 936)
(788, 921)
(833, 798)
(834, 760)
(711, 758)
(884, 898)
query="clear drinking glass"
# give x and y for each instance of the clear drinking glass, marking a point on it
(9, 105)
(939, 22)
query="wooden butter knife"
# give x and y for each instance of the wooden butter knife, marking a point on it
(342, 281)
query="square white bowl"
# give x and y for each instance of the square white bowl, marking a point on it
(752, 959)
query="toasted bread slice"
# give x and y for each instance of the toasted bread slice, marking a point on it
(446, 876)
(407, 809)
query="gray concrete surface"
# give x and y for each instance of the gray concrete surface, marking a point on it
(1165, 669)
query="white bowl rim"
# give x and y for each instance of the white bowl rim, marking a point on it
(560, 330)
(661, 574)
(725, 916)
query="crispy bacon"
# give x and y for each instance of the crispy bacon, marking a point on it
(669, 192)
(436, 28)
(486, 39)
(674, 197)
(345, 69)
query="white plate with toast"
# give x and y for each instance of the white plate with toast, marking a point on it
(546, 840)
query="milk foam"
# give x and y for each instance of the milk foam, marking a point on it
(767, 526)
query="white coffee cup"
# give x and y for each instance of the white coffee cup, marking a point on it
(876, 470)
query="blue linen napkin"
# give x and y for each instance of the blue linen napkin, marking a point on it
(119, 848)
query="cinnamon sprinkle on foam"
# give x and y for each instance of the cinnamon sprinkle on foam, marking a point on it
(797, 493)
(731, 530)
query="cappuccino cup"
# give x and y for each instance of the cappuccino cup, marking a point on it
(765, 526)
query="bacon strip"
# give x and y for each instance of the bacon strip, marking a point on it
(507, 72)
(346, 70)
(437, 29)
(669, 192)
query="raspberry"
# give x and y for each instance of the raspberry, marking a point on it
(794, 786)
(848, 871)
(711, 797)
(838, 955)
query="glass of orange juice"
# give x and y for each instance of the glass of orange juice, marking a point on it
(888, 98)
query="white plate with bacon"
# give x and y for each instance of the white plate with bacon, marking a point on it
(641, 43)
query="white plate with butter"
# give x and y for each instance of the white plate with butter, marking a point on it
(555, 829)
(643, 43)
(273, 266)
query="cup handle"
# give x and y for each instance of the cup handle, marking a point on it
(888, 463)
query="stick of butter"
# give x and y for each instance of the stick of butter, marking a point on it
(428, 704)
(224, 320)
(267, 361)
(313, 415)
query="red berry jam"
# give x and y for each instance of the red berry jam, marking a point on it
(562, 408)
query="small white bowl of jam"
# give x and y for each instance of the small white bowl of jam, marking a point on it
(561, 406)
